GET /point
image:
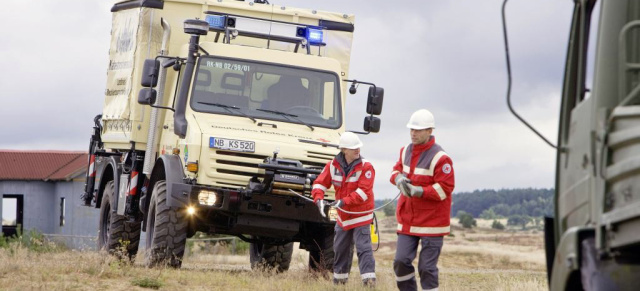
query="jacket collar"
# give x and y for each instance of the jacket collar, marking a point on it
(342, 162)
(425, 146)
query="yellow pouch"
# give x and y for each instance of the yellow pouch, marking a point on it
(374, 235)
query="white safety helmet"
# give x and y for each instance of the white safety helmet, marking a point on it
(421, 119)
(350, 140)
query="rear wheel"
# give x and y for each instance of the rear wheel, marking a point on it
(266, 256)
(166, 230)
(117, 235)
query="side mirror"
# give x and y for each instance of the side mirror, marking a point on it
(147, 96)
(150, 73)
(374, 102)
(371, 124)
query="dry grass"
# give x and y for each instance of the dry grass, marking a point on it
(481, 259)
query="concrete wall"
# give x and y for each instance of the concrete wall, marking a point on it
(42, 211)
(38, 203)
(80, 227)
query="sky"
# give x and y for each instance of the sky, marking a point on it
(443, 55)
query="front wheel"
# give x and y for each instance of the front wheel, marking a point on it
(166, 230)
(321, 254)
(266, 256)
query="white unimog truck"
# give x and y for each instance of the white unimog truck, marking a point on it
(216, 113)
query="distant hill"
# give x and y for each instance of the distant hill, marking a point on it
(505, 202)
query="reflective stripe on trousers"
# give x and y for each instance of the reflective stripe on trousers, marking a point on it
(406, 250)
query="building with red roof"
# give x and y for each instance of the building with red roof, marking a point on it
(41, 190)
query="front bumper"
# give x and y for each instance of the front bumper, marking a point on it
(240, 212)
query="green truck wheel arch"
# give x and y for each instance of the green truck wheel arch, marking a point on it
(567, 257)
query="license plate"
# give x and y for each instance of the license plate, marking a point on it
(232, 144)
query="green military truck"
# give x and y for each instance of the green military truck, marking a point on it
(217, 116)
(593, 241)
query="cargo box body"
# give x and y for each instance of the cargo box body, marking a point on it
(137, 34)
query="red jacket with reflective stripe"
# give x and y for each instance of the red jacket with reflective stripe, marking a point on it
(355, 190)
(426, 165)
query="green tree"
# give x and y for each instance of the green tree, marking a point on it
(390, 209)
(497, 225)
(488, 214)
(519, 220)
(466, 219)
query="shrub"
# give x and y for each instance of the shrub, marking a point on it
(497, 225)
(466, 219)
(147, 283)
(390, 209)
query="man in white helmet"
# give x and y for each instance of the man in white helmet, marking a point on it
(352, 178)
(424, 175)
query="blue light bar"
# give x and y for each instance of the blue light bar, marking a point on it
(216, 21)
(314, 36)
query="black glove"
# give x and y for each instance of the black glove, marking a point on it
(321, 203)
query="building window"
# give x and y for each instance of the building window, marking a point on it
(62, 211)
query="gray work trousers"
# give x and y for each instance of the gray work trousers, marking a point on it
(427, 263)
(343, 248)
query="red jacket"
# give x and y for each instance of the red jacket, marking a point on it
(355, 190)
(426, 165)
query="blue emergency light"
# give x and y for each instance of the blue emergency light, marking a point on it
(314, 36)
(216, 21)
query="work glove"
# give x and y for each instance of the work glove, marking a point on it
(414, 191)
(402, 182)
(337, 203)
(321, 203)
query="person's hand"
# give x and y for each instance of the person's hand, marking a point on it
(321, 203)
(414, 191)
(401, 183)
(337, 203)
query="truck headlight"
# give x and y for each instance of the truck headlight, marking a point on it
(206, 197)
(191, 210)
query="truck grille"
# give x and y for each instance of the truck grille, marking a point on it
(233, 169)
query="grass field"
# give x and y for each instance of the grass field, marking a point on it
(476, 259)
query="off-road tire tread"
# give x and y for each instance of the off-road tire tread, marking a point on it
(121, 231)
(276, 257)
(322, 256)
(170, 233)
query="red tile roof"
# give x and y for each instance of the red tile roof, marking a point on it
(41, 165)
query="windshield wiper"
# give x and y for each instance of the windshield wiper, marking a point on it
(287, 115)
(226, 107)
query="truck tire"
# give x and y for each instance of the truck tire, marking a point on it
(166, 231)
(321, 253)
(117, 236)
(266, 256)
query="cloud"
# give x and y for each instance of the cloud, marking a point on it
(447, 56)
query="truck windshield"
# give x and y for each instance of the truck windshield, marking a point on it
(256, 90)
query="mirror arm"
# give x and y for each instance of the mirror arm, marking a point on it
(360, 82)
(162, 107)
(362, 132)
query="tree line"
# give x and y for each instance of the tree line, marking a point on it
(520, 206)
(490, 204)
